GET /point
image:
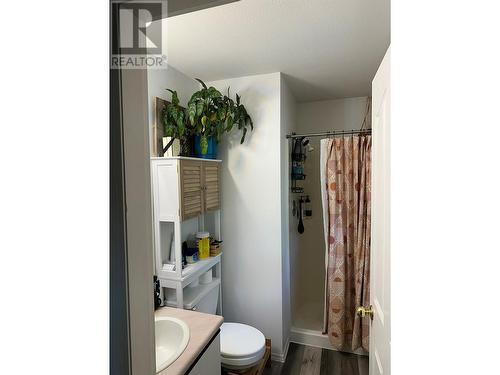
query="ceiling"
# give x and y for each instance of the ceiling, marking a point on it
(327, 49)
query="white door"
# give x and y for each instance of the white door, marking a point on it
(380, 288)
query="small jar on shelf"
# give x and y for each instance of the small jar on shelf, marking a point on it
(203, 244)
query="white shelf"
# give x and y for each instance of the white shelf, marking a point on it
(191, 271)
(171, 230)
(192, 295)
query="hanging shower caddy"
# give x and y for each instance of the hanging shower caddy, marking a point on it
(298, 160)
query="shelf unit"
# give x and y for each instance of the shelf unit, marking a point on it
(192, 295)
(186, 199)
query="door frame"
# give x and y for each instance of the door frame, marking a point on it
(131, 313)
(119, 315)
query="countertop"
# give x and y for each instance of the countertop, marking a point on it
(202, 327)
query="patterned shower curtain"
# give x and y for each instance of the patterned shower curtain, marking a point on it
(346, 191)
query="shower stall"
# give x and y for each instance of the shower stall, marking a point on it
(315, 120)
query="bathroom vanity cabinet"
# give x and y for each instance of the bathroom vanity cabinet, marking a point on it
(202, 354)
(186, 200)
(209, 362)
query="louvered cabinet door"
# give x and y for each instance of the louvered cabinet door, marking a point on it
(211, 186)
(191, 180)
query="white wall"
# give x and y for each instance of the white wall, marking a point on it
(252, 211)
(161, 79)
(308, 260)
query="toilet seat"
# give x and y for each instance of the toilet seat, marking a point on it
(241, 345)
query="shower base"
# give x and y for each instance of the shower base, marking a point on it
(316, 338)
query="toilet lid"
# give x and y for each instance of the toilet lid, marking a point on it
(241, 341)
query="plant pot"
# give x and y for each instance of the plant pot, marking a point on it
(186, 146)
(211, 149)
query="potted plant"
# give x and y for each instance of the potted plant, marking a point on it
(176, 126)
(205, 114)
(237, 115)
(210, 114)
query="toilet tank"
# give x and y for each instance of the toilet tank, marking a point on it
(197, 297)
(208, 304)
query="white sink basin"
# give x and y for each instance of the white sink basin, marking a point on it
(171, 338)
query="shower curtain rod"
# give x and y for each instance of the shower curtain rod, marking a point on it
(330, 133)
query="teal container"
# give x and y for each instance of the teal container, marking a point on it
(212, 148)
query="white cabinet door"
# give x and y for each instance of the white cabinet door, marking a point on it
(166, 189)
(380, 333)
(209, 363)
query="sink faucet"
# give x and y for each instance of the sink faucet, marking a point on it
(157, 299)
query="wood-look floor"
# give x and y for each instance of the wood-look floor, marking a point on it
(308, 360)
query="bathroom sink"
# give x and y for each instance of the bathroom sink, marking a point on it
(171, 338)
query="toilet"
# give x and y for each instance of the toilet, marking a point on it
(241, 346)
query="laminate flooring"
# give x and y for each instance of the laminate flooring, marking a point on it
(308, 360)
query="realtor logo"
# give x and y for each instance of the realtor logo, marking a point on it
(138, 44)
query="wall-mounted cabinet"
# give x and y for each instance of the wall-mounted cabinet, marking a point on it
(186, 200)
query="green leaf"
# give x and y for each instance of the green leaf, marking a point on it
(202, 83)
(221, 113)
(174, 112)
(195, 96)
(169, 131)
(220, 131)
(191, 112)
(199, 108)
(244, 134)
(229, 124)
(213, 93)
(180, 119)
(175, 98)
(164, 117)
(204, 144)
(248, 120)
